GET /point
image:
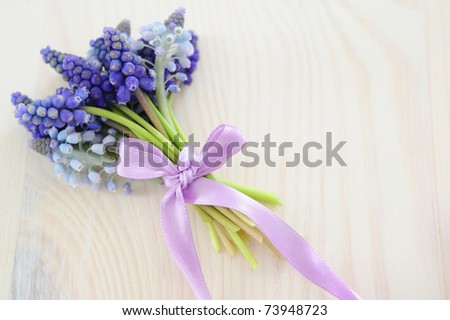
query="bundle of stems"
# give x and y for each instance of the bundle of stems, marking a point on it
(227, 227)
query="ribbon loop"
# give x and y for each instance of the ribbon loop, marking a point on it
(185, 184)
(224, 142)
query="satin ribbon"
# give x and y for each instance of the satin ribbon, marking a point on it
(185, 183)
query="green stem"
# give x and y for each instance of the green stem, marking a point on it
(120, 128)
(170, 131)
(219, 217)
(244, 218)
(214, 236)
(152, 116)
(161, 96)
(140, 136)
(212, 230)
(243, 248)
(91, 159)
(119, 112)
(175, 122)
(134, 116)
(139, 131)
(227, 243)
(256, 194)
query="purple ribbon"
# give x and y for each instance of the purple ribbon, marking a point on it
(186, 184)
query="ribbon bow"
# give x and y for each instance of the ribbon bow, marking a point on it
(186, 184)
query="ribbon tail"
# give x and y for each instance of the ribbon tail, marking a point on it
(297, 251)
(178, 235)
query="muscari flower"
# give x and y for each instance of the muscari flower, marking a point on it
(98, 51)
(84, 74)
(127, 71)
(70, 151)
(170, 45)
(80, 72)
(18, 98)
(76, 167)
(176, 19)
(55, 59)
(59, 110)
(193, 60)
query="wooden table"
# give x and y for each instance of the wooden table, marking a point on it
(374, 73)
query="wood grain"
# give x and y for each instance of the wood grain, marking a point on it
(374, 73)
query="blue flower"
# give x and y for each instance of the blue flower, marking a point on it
(123, 95)
(127, 188)
(55, 59)
(99, 52)
(84, 74)
(76, 163)
(193, 60)
(127, 69)
(111, 185)
(176, 19)
(71, 151)
(18, 98)
(57, 111)
(169, 44)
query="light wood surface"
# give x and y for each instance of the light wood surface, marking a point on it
(374, 73)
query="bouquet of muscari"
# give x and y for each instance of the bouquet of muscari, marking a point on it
(114, 122)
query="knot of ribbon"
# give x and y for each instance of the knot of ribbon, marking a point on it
(185, 177)
(185, 183)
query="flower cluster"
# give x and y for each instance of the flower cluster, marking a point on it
(98, 52)
(174, 71)
(76, 165)
(86, 74)
(18, 98)
(117, 66)
(57, 111)
(170, 49)
(70, 137)
(119, 75)
(81, 73)
(124, 88)
(55, 59)
(127, 72)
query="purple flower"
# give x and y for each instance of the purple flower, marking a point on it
(127, 188)
(83, 74)
(123, 95)
(57, 111)
(55, 59)
(193, 60)
(99, 52)
(116, 78)
(132, 83)
(66, 115)
(115, 65)
(184, 64)
(18, 98)
(147, 83)
(127, 69)
(176, 19)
